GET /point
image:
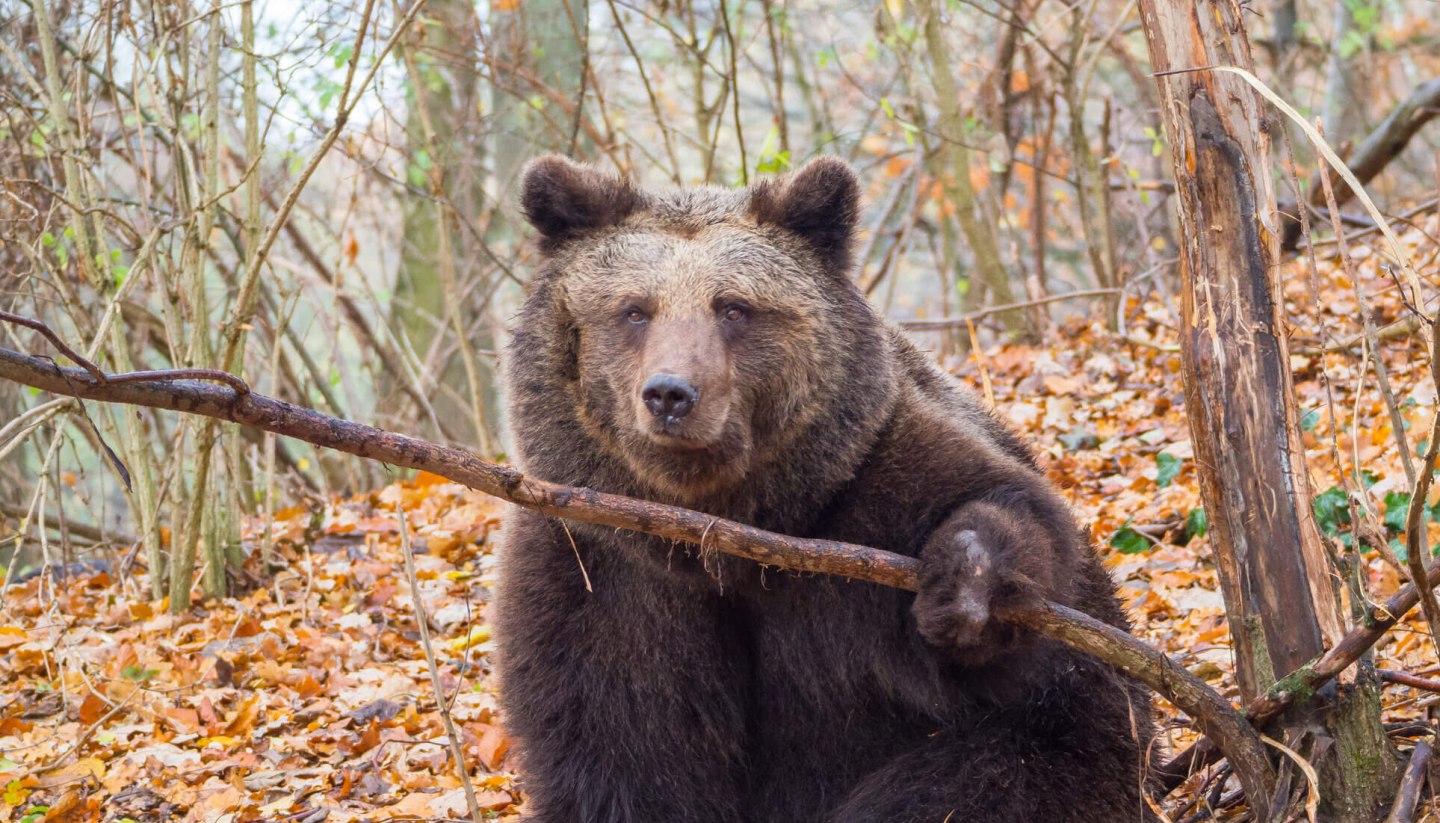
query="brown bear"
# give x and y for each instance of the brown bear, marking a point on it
(706, 347)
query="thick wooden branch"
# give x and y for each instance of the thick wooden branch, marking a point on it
(1374, 153)
(223, 401)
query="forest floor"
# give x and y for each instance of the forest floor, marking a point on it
(309, 697)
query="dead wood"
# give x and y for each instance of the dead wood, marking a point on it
(1411, 785)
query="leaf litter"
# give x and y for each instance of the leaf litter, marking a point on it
(309, 699)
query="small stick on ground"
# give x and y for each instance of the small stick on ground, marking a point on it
(1411, 785)
(457, 751)
(1407, 679)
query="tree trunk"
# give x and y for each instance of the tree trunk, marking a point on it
(951, 164)
(1274, 569)
(1343, 115)
(440, 269)
(537, 50)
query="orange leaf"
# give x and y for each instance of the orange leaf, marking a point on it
(244, 718)
(352, 249)
(493, 745)
(188, 720)
(309, 687)
(898, 166)
(92, 709)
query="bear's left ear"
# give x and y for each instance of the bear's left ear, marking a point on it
(820, 202)
(562, 199)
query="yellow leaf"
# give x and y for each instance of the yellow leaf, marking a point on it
(15, 793)
(82, 769)
(478, 634)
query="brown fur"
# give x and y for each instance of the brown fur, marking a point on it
(690, 687)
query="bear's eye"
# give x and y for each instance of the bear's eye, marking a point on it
(734, 313)
(635, 317)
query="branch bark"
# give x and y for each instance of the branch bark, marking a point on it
(224, 401)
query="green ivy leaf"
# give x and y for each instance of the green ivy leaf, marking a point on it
(1167, 466)
(1128, 541)
(1397, 508)
(1197, 524)
(139, 674)
(1332, 510)
(1402, 552)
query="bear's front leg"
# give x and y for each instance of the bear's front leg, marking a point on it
(1014, 546)
(626, 700)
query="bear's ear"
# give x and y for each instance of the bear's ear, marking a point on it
(820, 202)
(562, 199)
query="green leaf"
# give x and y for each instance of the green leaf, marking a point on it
(1197, 524)
(1309, 420)
(1157, 147)
(1402, 552)
(1167, 466)
(1128, 541)
(1332, 510)
(139, 674)
(1397, 508)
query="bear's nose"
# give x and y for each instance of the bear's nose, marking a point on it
(668, 395)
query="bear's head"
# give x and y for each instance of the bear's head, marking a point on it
(696, 333)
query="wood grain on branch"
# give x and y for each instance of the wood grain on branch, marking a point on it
(222, 401)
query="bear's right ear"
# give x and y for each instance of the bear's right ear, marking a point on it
(562, 199)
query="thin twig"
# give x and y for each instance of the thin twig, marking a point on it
(1408, 679)
(961, 320)
(422, 620)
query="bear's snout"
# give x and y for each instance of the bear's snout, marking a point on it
(669, 396)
